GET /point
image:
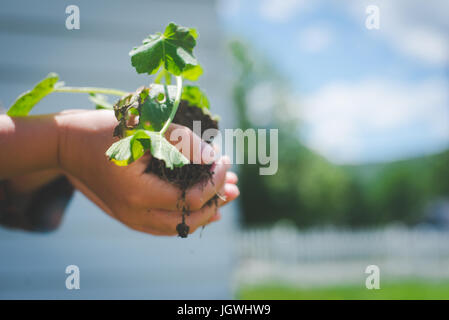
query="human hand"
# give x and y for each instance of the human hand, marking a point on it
(140, 200)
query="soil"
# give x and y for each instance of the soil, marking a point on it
(191, 174)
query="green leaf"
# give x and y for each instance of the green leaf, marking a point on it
(195, 97)
(100, 101)
(129, 149)
(172, 49)
(155, 110)
(27, 100)
(164, 150)
(120, 152)
(192, 73)
(140, 143)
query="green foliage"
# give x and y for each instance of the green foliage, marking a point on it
(27, 100)
(440, 174)
(401, 191)
(195, 97)
(131, 148)
(310, 191)
(120, 152)
(400, 289)
(164, 150)
(156, 108)
(153, 107)
(192, 73)
(173, 50)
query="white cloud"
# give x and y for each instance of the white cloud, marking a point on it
(280, 10)
(315, 38)
(418, 29)
(340, 115)
(425, 44)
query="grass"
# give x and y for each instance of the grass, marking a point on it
(412, 289)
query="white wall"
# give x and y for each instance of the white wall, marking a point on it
(115, 262)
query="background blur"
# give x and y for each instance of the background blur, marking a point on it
(363, 119)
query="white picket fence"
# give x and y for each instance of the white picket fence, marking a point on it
(328, 256)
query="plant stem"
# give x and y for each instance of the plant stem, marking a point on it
(163, 74)
(91, 90)
(167, 77)
(175, 105)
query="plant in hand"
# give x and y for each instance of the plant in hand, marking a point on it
(145, 115)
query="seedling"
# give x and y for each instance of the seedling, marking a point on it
(166, 55)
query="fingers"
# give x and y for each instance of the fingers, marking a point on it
(198, 195)
(190, 145)
(231, 192)
(209, 213)
(168, 196)
(205, 216)
(163, 222)
(153, 192)
(231, 177)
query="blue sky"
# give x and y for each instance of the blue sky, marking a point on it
(362, 95)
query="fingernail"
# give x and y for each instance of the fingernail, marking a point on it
(231, 191)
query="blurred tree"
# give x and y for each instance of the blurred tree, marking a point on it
(308, 190)
(440, 174)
